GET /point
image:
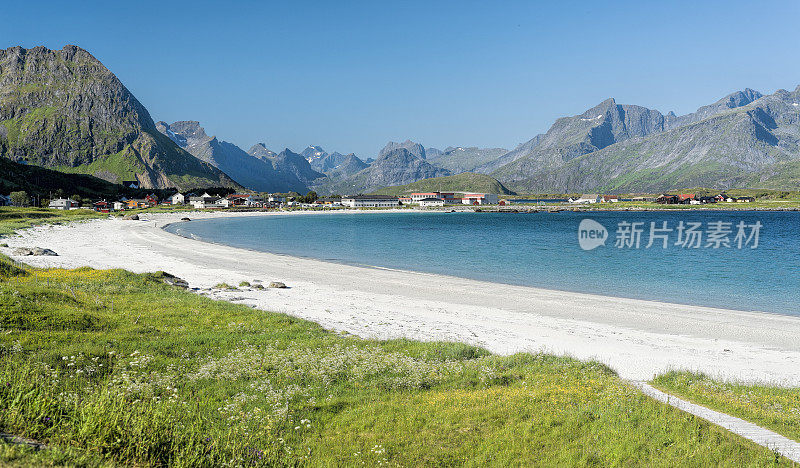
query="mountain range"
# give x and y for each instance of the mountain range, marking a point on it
(63, 110)
(397, 164)
(258, 169)
(745, 139)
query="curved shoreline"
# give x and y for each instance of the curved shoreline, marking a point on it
(637, 338)
(191, 236)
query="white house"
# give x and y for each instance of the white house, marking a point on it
(177, 199)
(119, 206)
(63, 204)
(426, 202)
(276, 199)
(370, 201)
(222, 203)
(593, 198)
(204, 201)
(479, 199)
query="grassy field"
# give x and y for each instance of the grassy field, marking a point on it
(775, 408)
(109, 367)
(12, 219)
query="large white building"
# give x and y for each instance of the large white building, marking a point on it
(370, 201)
(177, 199)
(479, 199)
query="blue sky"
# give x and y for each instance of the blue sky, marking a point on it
(350, 76)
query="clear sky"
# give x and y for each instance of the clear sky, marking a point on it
(350, 76)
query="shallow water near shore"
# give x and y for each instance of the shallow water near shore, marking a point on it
(542, 250)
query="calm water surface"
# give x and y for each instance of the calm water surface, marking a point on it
(541, 250)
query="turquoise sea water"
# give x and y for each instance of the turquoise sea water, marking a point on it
(542, 250)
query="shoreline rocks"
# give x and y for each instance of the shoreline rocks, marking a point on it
(35, 251)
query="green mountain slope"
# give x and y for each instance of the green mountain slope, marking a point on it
(464, 182)
(65, 110)
(41, 182)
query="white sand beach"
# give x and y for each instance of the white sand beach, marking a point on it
(638, 339)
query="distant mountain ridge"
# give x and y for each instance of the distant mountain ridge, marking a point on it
(743, 140)
(260, 169)
(62, 109)
(464, 159)
(397, 164)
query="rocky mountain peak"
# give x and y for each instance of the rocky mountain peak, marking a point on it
(313, 152)
(260, 150)
(600, 109)
(63, 108)
(740, 98)
(412, 147)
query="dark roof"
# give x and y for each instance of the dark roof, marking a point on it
(432, 199)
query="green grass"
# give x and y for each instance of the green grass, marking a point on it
(122, 164)
(13, 219)
(118, 368)
(776, 408)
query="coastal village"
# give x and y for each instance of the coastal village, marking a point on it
(206, 201)
(664, 199)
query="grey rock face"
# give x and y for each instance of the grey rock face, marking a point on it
(175, 281)
(345, 167)
(260, 150)
(396, 167)
(464, 159)
(412, 147)
(313, 153)
(332, 161)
